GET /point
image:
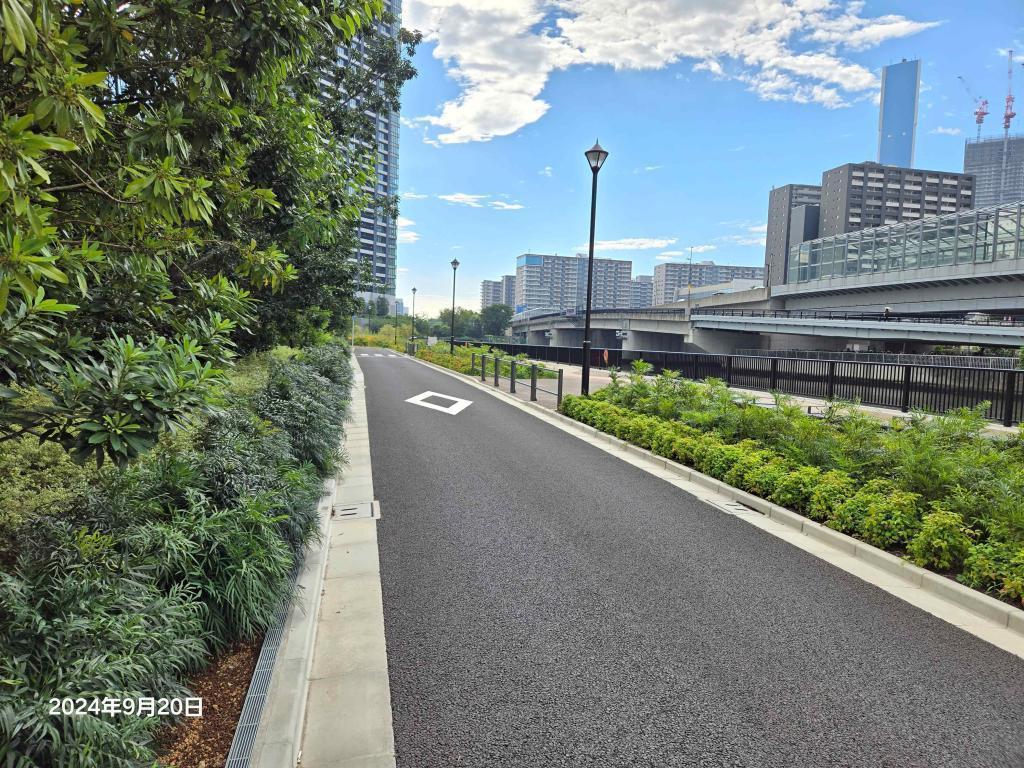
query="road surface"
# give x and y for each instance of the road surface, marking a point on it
(547, 604)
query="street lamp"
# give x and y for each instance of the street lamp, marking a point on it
(414, 318)
(455, 266)
(595, 158)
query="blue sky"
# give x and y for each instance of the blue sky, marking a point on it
(704, 105)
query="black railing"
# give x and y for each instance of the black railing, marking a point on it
(816, 314)
(932, 388)
(512, 370)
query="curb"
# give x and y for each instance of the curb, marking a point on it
(278, 741)
(982, 605)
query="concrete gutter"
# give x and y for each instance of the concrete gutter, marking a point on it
(985, 617)
(329, 702)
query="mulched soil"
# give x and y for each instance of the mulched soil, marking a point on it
(204, 742)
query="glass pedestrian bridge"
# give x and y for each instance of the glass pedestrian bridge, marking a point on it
(982, 236)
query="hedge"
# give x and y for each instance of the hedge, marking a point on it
(877, 511)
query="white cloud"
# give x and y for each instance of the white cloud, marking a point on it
(668, 255)
(503, 206)
(738, 148)
(703, 248)
(671, 255)
(402, 270)
(502, 52)
(406, 235)
(743, 240)
(630, 244)
(547, 171)
(946, 131)
(410, 195)
(461, 198)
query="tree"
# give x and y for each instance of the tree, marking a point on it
(383, 310)
(495, 319)
(163, 168)
(467, 323)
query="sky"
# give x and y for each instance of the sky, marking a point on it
(703, 105)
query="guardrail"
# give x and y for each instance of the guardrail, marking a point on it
(931, 388)
(892, 317)
(901, 358)
(514, 366)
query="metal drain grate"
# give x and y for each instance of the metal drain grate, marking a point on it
(362, 510)
(252, 708)
(731, 507)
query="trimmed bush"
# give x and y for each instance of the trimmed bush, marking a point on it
(833, 489)
(891, 521)
(795, 489)
(943, 540)
(757, 472)
(997, 567)
(849, 515)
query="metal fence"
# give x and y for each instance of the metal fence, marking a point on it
(930, 388)
(499, 365)
(959, 361)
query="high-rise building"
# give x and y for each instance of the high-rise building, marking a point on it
(498, 291)
(783, 202)
(642, 293)
(544, 281)
(490, 293)
(378, 233)
(863, 195)
(680, 274)
(993, 184)
(897, 115)
(508, 290)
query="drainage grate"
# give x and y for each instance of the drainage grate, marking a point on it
(252, 708)
(362, 510)
(730, 507)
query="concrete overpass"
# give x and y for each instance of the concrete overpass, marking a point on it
(721, 330)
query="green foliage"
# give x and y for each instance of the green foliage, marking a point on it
(173, 185)
(943, 540)
(495, 319)
(996, 566)
(831, 492)
(796, 489)
(849, 515)
(152, 566)
(892, 521)
(35, 479)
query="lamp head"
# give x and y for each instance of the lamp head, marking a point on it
(596, 156)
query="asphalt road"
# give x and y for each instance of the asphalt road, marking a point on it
(546, 604)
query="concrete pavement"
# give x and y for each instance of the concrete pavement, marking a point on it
(548, 604)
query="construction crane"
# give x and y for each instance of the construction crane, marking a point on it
(980, 105)
(1008, 115)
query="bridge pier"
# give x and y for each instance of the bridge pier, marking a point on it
(567, 337)
(537, 338)
(653, 340)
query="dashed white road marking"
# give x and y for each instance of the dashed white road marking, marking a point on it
(392, 355)
(457, 405)
(378, 354)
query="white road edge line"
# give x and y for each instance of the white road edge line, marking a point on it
(993, 621)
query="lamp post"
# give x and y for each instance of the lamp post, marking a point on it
(595, 158)
(414, 317)
(455, 266)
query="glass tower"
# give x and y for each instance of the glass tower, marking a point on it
(897, 118)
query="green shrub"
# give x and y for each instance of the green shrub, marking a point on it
(36, 479)
(715, 458)
(891, 521)
(847, 517)
(756, 471)
(832, 490)
(943, 540)
(795, 489)
(997, 567)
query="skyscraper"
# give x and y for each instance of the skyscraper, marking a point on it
(993, 185)
(544, 281)
(643, 292)
(787, 227)
(897, 117)
(378, 233)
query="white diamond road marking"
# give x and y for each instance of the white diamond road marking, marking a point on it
(457, 403)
